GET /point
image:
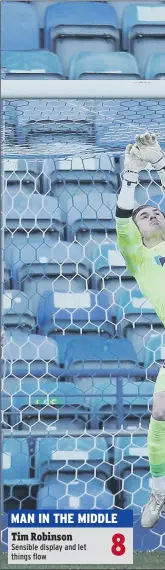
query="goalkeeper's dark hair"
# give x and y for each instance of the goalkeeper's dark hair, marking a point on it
(137, 210)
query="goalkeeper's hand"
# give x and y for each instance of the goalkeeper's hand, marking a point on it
(147, 148)
(132, 162)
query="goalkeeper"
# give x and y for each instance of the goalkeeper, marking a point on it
(141, 240)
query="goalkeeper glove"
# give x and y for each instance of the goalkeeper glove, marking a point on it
(147, 148)
(132, 166)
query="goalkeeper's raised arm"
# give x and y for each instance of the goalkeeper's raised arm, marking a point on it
(144, 227)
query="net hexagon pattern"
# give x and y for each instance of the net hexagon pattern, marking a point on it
(82, 347)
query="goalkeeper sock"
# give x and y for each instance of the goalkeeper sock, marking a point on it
(158, 483)
(156, 447)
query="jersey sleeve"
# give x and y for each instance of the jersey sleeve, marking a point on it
(130, 243)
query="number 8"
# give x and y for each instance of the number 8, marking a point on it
(118, 548)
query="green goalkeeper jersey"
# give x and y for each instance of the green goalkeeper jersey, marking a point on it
(146, 265)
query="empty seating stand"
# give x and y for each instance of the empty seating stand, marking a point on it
(118, 65)
(155, 68)
(144, 31)
(20, 26)
(70, 28)
(38, 64)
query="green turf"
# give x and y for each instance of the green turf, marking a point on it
(146, 560)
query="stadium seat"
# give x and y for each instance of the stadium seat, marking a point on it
(53, 494)
(61, 267)
(135, 311)
(154, 354)
(29, 368)
(87, 312)
(22, 174)
(28, 354)
(86, 175)
(144, 31)
(132, 470)
(69, 28)
(98, 355)
(93, 215)
(39, 64)
(155, 68)
(20, 26)
(118, 65)
(19, 484)
(32, 211)
(75, 461)
(81, 452)
(15, 461)
(109, 268)
(16, 313)
(135, 317)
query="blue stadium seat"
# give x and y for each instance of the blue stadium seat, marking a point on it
(135, 317)
(32, 211)
(134, 309)
(99, 354)
(28, 367)
(72, 313)
(28, 354)
(155, 68)
(53, 494)
(80, 175)
(77, 485)
(20, 26)
(144, 31)
(22, 174)
(60, 268)
(39, 64)
(16, 313)
(118, 65)
(109, 266)
(15, 461)
(69, 29)
(154, 355)
(132, 470)
(92, 214)
(81, 452)
(37, 265)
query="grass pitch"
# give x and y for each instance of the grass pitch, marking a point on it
(142, 560)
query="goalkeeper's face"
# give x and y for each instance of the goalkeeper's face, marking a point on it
(150, 222)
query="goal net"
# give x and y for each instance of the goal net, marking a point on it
(82, 347)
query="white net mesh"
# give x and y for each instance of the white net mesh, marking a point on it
(82, 346)
(79, 127)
